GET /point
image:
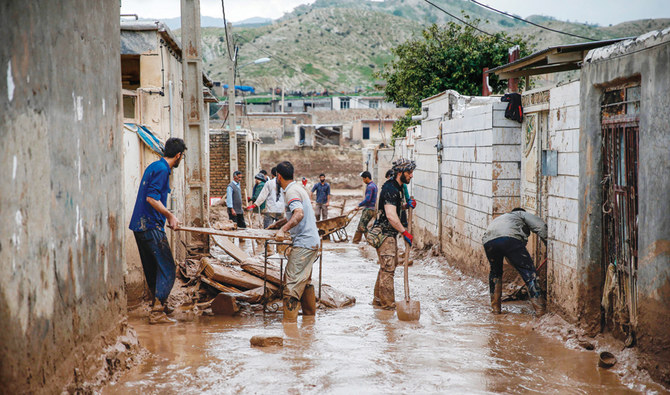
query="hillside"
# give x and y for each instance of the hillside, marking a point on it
(339, 44)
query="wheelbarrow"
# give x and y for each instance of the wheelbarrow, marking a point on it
(336, 226)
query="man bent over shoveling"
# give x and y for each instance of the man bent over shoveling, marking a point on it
(305, 250)
(383, 234)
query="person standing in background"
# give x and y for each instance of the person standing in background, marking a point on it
(322, 189)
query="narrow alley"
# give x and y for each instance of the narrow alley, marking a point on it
(456, 347)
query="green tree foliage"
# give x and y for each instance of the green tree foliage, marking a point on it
(444, 57)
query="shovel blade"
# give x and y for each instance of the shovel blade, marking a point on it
(408, 310)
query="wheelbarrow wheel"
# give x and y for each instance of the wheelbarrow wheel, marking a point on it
(341, 235)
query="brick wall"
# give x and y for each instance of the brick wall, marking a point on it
(219, 165)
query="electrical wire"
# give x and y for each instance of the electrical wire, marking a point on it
(531, 23)
(469, 24)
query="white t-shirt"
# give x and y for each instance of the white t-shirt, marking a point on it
(305, 234)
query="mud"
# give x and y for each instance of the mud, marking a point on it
(456, 347)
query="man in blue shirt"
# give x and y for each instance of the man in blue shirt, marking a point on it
(322, 189)
(234, 200)
(367, 205)
(147, 224)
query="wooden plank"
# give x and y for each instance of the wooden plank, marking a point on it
(259, 234)
(219, 287)
(230, 248)
(229, 276)
(257, 270)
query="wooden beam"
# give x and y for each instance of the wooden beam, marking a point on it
(259, 234)
(565, 57)
(538, 70)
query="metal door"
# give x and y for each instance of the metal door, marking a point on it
(620, 129)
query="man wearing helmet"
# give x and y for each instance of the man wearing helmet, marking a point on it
(391, 202)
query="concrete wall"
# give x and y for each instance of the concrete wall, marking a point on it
(158, 66)
(646, 58)
(61, 228)
(562, 200)
(480, 176)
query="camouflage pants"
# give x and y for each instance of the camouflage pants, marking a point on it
(384, 295)
(299, 270)
(367, 215)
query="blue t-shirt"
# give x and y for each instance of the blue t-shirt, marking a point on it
(155, 184)
(322, 192)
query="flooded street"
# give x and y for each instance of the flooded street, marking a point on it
(456, 347)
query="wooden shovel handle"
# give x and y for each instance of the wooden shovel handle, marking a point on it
(407, 247)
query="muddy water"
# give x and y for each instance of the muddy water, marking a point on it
(456, 347)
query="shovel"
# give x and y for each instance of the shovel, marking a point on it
(408, 310)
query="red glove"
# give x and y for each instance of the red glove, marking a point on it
(411, 203)
(408, 237)
(251, 207)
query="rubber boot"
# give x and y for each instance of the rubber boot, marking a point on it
(291, 309)
(496, 295)
(539, 303)
(157, 306)
(308, 301)
(357, 237)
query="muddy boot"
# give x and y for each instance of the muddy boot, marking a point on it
(496, 295)
(308, 301)
(159, 317)
(291, 309)
(157, 306)
(357, 237)
(539, 304)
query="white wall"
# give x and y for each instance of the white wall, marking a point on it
(562, 195)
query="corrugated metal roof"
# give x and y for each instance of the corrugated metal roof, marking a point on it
(541, 62)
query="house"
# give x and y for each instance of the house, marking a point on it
(153, 108)
(589, 157)
(315, 135)
(62, 228)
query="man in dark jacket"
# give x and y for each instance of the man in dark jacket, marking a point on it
(234, 200)
(506, 237)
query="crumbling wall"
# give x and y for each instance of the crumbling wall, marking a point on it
(61, 229)
(645, 58)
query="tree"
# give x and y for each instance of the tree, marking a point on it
(444, 57)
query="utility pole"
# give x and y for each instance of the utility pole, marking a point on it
(282, 97)
(232, 119)
(196, 137)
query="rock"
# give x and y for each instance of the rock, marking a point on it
(586, 344)
(224, 304)
(331, 297)
(266, 341)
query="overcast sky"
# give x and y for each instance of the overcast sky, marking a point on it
(603, 12)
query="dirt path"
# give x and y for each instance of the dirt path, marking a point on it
(456, 347)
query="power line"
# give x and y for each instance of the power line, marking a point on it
(531, 23)
(468, 24)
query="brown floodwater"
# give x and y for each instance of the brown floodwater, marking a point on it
(456, 347)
